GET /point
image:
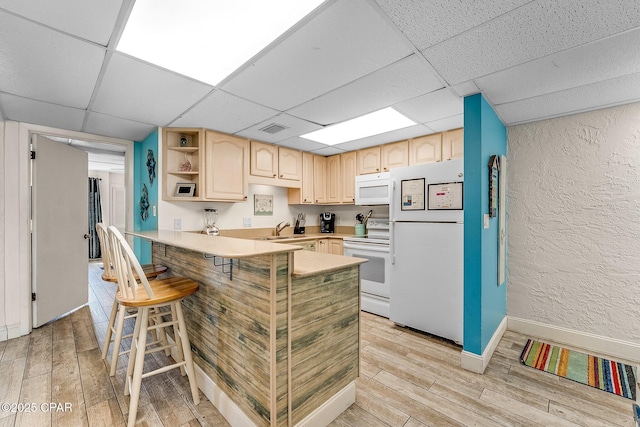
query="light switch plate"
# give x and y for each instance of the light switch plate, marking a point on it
(246, 222)
(177, 223)
(486, 220)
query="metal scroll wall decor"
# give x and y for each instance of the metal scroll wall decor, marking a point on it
(151, 166)
(144, 203)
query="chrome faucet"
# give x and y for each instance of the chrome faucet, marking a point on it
(281, 227)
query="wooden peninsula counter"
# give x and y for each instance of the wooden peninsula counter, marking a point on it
(274, 329)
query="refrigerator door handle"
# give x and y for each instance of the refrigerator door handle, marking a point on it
(392, 246)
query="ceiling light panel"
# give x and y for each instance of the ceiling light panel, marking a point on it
(204, 39)
(375, 123)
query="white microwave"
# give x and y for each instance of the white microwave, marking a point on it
(373, 189)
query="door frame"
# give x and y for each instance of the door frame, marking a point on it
(17, 237)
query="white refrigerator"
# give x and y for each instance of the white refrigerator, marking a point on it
(426, 243)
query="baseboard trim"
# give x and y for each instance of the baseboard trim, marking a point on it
(14, 331)
(331, 409)
(321, 417)
(4, 334)
(229, 410)
(584, 340)
(476, 363)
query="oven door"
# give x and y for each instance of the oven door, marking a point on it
(374, 274)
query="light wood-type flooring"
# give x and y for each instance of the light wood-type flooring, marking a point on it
(407, 379)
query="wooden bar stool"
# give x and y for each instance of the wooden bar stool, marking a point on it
(147, 296)
(117, 316)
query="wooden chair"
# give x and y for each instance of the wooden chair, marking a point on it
(113, 334)
(150, 298)
(108, 275)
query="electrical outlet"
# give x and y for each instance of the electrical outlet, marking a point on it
(246, 222)
(177, 223)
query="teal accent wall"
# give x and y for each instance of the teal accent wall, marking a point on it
(485, 303)
(142, 248)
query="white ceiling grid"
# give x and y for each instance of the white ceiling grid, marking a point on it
(531, 59)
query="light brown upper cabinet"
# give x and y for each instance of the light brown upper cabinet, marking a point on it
(226, 163)
(395, 155)
(368, 160)
(425, 149)
(334, 195)
(304, 194)
(320, 179)
(271, 161)
(264, 159)
(453, 144)
(182, 156)
(348, 176)
(289, 164)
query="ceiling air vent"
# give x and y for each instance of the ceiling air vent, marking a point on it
(273, 128)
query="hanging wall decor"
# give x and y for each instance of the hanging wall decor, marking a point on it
(494, 170)
(262, 204)
(151, 166)
(144, 203)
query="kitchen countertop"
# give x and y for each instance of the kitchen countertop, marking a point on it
(226, 247)
(305, 263)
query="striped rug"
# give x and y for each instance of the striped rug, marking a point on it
(614, 377)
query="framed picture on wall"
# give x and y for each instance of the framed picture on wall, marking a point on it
(262, 204)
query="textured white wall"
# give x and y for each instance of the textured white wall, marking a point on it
(574, 222)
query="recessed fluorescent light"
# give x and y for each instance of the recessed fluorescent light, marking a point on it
(381, 121)
(206, 39)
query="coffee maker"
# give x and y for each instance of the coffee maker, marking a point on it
(327, 222)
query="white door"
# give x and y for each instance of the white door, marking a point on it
(59, 251)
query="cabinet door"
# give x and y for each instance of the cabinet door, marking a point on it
(226, 162)
(307, 178)
(333, 179)
(425, 149)
(323, 246)
(368, 160)
(453, 144)
(348, 175)
(264, 159)
(335, 246)
(289, 164)
(320, 179)
(395, 155)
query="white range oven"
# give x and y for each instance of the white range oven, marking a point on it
(375, 288)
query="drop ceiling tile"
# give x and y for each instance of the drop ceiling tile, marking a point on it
(432, 106)
(383, 138)
(142, 92)
(294, 127)
(43, 64)
(302, 144)
(426, 23)
(328, 151)
(225, 113)
(581, 65)
(93, 20)
(30, 111)
(532, 31)
(448, 123)
(405, 79)
(620, 90)
(346, 41)
(101, 124)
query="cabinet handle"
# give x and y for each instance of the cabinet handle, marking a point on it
(281, 175)
(274, 175)
(377, 169)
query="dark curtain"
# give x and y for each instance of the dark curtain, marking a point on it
(95, 216)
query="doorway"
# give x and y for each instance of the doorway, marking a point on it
(103, 160)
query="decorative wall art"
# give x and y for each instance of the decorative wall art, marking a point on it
(262, 204)
(151, 166)
(144, 203)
